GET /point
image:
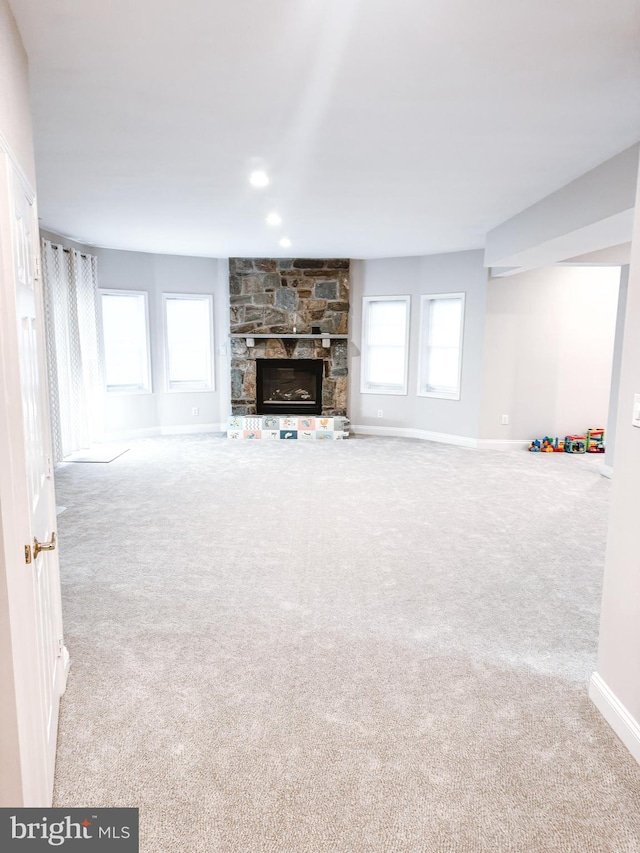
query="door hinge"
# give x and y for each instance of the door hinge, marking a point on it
(37, 267)
(49, 467)
(60, 646)
(27, 554)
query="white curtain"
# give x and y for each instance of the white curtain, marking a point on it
(76, 387)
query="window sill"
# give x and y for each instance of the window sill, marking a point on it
(440, 395)
(189, 390)
(119, 392)
(382, 390)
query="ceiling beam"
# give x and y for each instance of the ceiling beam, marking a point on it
(591, 213)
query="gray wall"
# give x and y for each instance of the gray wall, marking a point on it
(588, 214)
(537, 346)
(158, 274)
(615, 371)
(619, 651)
(65, 241)
(449, 273)
(548, 352)
(15, 108)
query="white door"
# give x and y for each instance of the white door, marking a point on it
(40, 648)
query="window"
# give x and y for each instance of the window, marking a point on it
(385, 334)
(188, 341)
(441, 325)
(125, 339)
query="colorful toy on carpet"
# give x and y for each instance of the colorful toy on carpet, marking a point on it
(575, 444)
(546, 445)
(595, 440)
(591, 442)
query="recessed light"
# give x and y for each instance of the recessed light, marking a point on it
(285, 242)
(259, 179)
(273, 219)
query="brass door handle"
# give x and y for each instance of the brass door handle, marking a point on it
(44, 546)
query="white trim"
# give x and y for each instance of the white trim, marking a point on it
(623, 724)
(64, 671)
(607, 471)
(131, 434)
(30, 717)
(125, 393)
(503, 443)
(385, 390)
(154, 432)
(425, 299)
(368, 388)
(422, 434)
(191, 429)
(443, 437)
(211, 386)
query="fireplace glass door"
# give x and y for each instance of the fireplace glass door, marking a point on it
(289, 386)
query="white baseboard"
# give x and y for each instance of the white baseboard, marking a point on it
(152, 432)
(606, 471)
(443, 437)
(614, 712)
(192, 429)
(64, 673)
(503, 443)
(423, 434)
(130, 434)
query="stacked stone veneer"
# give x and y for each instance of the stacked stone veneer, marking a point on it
(271, 297)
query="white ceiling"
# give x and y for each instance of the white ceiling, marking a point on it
(388, 128)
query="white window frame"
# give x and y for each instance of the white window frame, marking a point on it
(369, 387)
(114, 291)
(425, 301)
(210, 386)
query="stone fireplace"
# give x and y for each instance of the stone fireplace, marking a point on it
(284, 311)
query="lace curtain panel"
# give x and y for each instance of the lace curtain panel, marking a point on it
(75, 371)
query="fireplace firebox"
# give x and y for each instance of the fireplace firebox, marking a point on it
(289, 386)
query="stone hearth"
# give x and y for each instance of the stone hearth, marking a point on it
(278, 297)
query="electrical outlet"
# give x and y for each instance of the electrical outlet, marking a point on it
(380, 413)
(505, 420)
(195, 411)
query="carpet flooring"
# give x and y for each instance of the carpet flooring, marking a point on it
(98, 453)
(369, 646)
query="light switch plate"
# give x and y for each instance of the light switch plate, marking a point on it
(635, 420)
